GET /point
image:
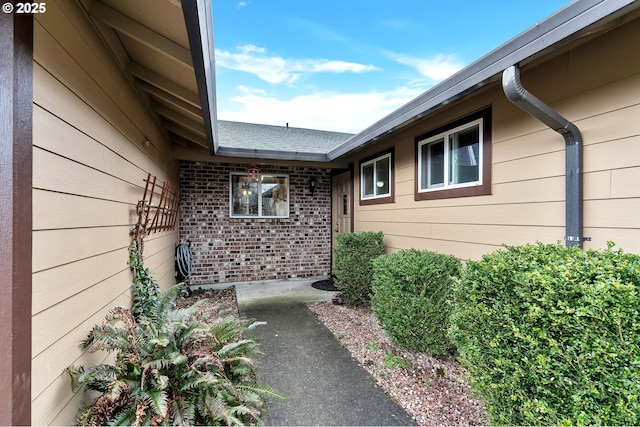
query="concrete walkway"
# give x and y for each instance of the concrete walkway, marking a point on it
(301, 358)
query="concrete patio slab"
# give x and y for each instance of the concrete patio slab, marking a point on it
(252, 294)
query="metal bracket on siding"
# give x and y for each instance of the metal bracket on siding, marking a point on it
(577, 239)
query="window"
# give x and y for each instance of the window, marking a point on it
(455, 161)
(265, 197)
(376, 179)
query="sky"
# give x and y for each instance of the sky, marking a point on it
(341, 65)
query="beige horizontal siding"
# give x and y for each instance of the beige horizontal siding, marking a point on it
(612, 155)
(612, 213)
(50, 94)
(597, 185)
(528, 191)
(58, 284)
(52, 248)
(624, 182)
(89, 164)
(537, 144)
(624, 238)
(50, 130)
(53, 323)
(61, 210)
(463, 250)
(55, 173)
(528, 168)
(522, 214)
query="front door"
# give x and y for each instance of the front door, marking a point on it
(341, 216)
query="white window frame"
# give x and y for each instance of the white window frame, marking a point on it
(373, 162)
(260, 207)
(422, 186)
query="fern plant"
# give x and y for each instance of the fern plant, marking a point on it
(171, 368)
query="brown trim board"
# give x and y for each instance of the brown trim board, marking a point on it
(16, 158)
(392, 181)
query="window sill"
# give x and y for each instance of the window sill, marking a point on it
(376, 201)
(476, 190)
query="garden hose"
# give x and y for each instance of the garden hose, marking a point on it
(184, 260)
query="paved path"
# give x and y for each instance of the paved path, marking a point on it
(324, 385)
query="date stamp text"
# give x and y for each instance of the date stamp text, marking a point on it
(24, 8)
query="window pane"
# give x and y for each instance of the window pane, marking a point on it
(382, 176)
(464, 155)
(274, 195)
(244, 195)
(433, 164)
(367, 180)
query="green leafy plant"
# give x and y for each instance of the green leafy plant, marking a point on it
(373, 345)
(145, 290)
(171, 368)
(551, 335)
(412, 298)
(353, 269)
(392, 360)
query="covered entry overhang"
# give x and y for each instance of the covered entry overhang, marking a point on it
(165, 47)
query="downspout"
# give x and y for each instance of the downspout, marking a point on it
(573, 151)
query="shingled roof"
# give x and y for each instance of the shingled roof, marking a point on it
(242, 137)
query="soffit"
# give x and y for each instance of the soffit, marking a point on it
(149, 39)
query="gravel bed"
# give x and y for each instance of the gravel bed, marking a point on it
(432, 391)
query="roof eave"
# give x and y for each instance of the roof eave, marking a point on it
(271, 154)
(561, 28)
(198, 17)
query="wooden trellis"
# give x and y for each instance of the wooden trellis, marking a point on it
(161, 216)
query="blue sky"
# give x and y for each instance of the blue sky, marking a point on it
(341, 65)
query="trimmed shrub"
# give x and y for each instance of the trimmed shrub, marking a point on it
(353, 270)
(551, 335)
(411, 298)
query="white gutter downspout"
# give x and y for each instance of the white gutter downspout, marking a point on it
(573, 151)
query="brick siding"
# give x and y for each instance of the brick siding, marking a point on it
(229, 249)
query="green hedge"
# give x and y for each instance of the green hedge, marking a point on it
(411, 298)
(353, 270)
(551, 335)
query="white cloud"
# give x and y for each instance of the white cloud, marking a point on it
(436, 68)
(275, 69)
(242, 4)
(339, 112)
(251, 48)
(251, 91)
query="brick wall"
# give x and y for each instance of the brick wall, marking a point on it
(229, 249)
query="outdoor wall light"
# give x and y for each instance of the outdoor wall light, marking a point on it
(312, 185)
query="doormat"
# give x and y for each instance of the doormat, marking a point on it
(324, 285)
